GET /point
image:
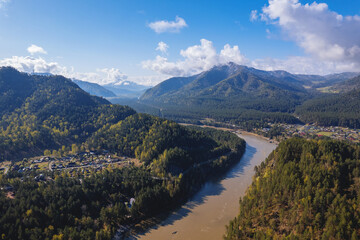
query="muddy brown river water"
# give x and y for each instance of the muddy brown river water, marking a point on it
(205, 216)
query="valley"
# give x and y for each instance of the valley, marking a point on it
(180, 120)
(82, 160)
(56, 136)
(253, 98)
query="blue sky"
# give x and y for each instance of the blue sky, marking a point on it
(105, 41)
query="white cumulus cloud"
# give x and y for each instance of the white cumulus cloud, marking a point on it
(112, 75)
(101, 76)
(31, 64)
(39, 65)
(196, 59)
(322, 33)
(33, 49)
(231, 54)
(162, 47)
(168, 26)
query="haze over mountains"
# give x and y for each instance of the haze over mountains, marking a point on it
(94, 89)
(123, 89)
(126, 89)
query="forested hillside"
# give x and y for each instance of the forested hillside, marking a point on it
(346, 86)
(230, 93)
(229, 86)
(251, 98)
(14, 88)
(306, 189)
(174, 147)
(46, 112)
(332, 110)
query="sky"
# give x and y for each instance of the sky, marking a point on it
(149, 41)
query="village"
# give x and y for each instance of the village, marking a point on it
(312, 131)
(85, 162)
(282, 131)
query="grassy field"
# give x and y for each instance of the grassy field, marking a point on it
(327, 134)
(327, 90)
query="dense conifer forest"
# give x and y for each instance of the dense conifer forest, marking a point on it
(333, 110)
(306, 189)
(93, 206)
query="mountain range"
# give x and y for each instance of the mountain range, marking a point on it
(238, 93)
(126, 89)
(232, 80)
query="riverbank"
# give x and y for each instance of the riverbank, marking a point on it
(235, 130)
(207, 213)
(226, 151)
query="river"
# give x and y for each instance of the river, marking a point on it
(206, 214)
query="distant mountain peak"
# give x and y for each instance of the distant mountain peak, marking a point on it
(236, 80)
(94, 88)
(126, 89)
(229, 67)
